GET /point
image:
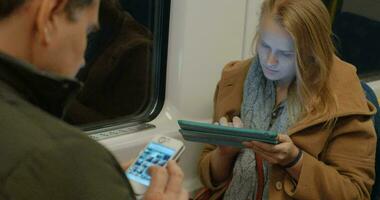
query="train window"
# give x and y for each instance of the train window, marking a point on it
(356, 25)
(124, 75)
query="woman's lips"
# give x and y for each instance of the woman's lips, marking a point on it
(270, 70)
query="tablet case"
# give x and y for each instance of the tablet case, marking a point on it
(223, 135)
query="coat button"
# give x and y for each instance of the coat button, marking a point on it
(278, 185)
(274, 114)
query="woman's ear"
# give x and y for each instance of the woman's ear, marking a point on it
(46, 19)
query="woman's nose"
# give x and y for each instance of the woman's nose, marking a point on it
(272, 60)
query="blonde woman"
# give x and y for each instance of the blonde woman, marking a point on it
(296, 86)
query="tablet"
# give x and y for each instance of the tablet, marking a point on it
(223, 135)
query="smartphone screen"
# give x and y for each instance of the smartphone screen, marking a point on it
(154, 154)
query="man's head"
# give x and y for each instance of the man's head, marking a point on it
(51, 34)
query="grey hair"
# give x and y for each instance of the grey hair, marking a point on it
(7, 7)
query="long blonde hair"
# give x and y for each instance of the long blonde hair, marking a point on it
(308, 23)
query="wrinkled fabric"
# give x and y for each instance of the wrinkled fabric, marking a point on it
(259, 99)
(326, 153)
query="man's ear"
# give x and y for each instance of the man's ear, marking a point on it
(46, 18)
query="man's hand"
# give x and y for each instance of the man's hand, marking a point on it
(126, 165)
(166, 183)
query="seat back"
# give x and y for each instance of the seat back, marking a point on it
(357, 40)
(371, 96)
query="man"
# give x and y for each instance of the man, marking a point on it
(42, 43)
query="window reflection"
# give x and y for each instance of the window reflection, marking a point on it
(117, 74)
(357, 29)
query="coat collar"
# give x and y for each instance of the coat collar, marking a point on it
(350, 96)
(47, 91)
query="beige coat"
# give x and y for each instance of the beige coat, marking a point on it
(337, 164)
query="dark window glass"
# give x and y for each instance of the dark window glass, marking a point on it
(124, 75)
(356, 25)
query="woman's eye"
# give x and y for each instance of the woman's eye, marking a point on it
(287, 54)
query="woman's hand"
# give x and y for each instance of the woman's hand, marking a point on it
(223, 157)
(225, 150)
(281, 154)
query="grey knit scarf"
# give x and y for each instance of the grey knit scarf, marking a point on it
(256, 112)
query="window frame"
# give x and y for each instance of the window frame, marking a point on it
(159, 67)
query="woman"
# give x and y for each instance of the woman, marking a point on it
(295, 86)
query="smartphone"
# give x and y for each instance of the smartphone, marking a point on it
(157, 152)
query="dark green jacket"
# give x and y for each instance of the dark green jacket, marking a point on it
(41, 157)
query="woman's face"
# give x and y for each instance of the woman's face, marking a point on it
(276, 52)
